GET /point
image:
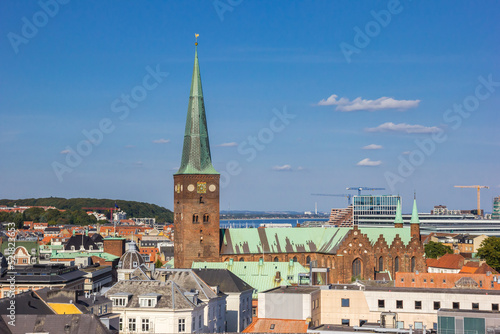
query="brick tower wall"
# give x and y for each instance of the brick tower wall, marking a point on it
(196, 240)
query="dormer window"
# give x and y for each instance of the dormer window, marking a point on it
(72, 248)
(149, 300)
(119, 301)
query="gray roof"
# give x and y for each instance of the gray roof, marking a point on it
(129, 258)
(56, 323)
(224, 279)
(187, 279)
(26, 303)
(172, 296)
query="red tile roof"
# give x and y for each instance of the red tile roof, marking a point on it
(261, 325)
(447, 261)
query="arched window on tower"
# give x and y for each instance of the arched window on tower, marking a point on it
(413, 264)
(308, 260)
(195, 218)
(206, 218)
(380, 263)
(294, 259)
(242, 259)
(396, 264)
(356, 268)
(276, 259)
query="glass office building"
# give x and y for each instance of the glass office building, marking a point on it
(369, 205)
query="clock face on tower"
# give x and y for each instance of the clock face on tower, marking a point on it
(201, 187)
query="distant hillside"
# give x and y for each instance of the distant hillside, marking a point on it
(133, 209)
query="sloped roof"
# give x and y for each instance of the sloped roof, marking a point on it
(26, 303)
(448, 261)
(65, 308)
(259, 275)
(80, 240)
(172, 296)
(264, 325)
(300, 240)
(188, 280)
(224, 279)
(57, 323)
(485, 268)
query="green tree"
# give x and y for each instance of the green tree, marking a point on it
(158, 264)
(490, 251)
(433, 250)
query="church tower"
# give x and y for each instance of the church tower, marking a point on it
(398, 222)
(415, 222)
(196, 187)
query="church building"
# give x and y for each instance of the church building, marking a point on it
(347, 252)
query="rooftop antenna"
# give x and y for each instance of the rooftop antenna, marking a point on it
(196, 36)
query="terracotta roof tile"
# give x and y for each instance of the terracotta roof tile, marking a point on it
(260, 325)
(449, 261)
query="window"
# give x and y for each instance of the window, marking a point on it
(295, 260)
(219, 311)
(432, 280)
(182, 325)
(308, 260)
(272, 326)
(494, 307)
(121, 324)
(345, 302)
(131, 325)
(492, 284)
(195, 218)
(425, 280)
(456, 306)
(119, 301)
(444, 281)
(206, 218)
(345, 322)
(276, 259)
(413, 280)
(480, 284)
(380, 263)
(356, 268)
(475, 306)
(145, 325)
(193, 324)
(418, 304)
(437, 305)
(402, 279)
(199, 321)
(396, 264)
(399, 304)
(381, 303)
(413, 264)
(362, 322)
(147, 302)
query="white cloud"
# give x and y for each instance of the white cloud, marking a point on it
(231, 144)
(282, 168)
(372, 147)
(406, 153)
(403, 127)
(161, 141)
(344, 104)
(369, 163)
(65, 151)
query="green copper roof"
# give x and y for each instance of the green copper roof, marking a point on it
(399, 216)
(259, 275)
(196, 157)
(414, 213)
(325, 240)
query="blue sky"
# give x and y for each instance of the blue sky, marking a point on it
(369, 87)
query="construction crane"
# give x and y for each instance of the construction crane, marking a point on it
(348, 196)
(363, 188)
(478, 195)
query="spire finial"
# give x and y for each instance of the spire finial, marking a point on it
(196, 36)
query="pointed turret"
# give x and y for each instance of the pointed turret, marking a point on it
(398, 222)
(196, 158)
(415, 222)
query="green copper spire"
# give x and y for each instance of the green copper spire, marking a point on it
(414, 213)
(196, 157)
(399, 216)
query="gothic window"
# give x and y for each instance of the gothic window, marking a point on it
(356, 268)
(413, 264)
(294, 259)
(205, 218)
(195, 218)
(276, 259)
(308, 260)
(380, 263)
(242, 259)
(396, 264)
